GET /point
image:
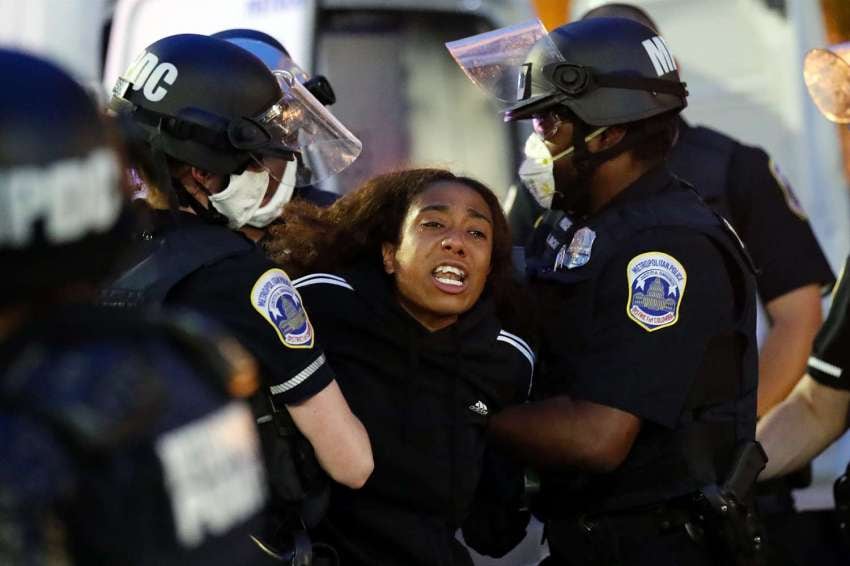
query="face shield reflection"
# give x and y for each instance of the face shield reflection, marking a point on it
(826, 73)
(301, 124)
(498, 61)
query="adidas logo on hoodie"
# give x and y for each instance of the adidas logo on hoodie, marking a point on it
(480, 408)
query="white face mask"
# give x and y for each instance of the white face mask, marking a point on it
(537, 170)
(242, 197)
(270, 212)
(240, 201)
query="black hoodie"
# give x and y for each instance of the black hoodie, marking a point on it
(424, 398)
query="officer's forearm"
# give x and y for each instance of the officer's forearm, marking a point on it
(563, 433)
(802, 426)
(795, 319)
(339, 438)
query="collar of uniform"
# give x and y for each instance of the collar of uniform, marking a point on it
(656, 180)
(165, 220)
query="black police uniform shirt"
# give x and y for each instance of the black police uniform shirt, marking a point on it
(113, 432)
(649, 308)
(254, 299)
(424, 398)
(829, 363)
(744, 185)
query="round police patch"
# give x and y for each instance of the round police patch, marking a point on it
(274, 297)
(656, 287)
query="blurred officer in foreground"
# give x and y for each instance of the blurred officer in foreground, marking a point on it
(816, 412)
(271, 52)
(648, 363)
(122, 440)
(224, 142)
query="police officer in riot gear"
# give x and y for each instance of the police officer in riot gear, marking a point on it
(746, 186)
(225, 141)
(122, 440)
(647, 367)
(277, 58)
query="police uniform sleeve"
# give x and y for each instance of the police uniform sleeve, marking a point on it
(773, 226)
(656, 306)
(256, 301)
(830, 357)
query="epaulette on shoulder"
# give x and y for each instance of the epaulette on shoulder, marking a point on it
(321, 279)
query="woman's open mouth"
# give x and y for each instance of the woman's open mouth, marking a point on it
(449, 278)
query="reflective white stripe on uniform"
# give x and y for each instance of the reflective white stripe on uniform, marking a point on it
(317, 278)
(299, 378)
(825, 367)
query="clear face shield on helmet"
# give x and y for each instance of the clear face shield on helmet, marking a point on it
(277, 60)
(826, 73)
(300, 124)
(498, 61)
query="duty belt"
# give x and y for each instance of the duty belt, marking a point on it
(597, 538)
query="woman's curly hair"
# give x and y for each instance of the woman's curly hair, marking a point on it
(352, 229)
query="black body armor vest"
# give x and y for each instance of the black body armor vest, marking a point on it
(719, 414)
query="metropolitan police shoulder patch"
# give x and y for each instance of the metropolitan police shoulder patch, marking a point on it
(274, 297)
(656, 287)
(790, 198)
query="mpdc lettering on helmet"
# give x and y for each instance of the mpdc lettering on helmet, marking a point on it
(72, 198)
(659, 54)
(149, 75)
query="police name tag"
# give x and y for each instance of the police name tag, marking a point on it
(656, 287)
(274, 297)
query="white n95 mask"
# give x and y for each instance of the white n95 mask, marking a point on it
(537, 169)
(240, 201)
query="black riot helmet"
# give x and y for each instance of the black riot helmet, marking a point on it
(206, 102)
(272, 52)
(613, 71)
(202, 101)
(63, 206)
(606, 71)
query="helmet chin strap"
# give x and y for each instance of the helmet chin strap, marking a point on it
(577, 203)
(174, 190)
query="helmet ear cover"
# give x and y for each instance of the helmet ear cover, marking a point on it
(577, 80)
